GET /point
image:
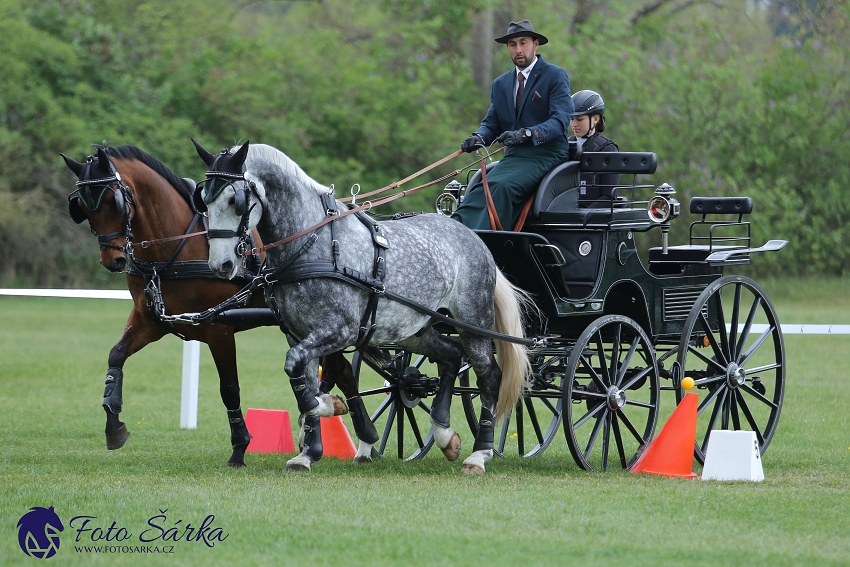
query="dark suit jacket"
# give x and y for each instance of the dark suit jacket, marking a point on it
(546, 107)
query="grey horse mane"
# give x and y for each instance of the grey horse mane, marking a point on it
(262, 153)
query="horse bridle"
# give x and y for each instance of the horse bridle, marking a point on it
(90, 193)
(218, 181)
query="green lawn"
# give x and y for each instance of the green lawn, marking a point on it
(542, 511)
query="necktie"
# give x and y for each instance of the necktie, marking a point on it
(521, 78)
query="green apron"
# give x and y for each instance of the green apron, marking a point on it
(512, 182)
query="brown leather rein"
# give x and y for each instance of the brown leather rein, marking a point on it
(365, 206)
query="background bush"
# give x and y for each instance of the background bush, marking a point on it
(734, 97)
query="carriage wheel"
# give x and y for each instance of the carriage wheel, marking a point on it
(733, 349)
(611, 394)
(399, 405)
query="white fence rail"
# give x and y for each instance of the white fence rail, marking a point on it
(192, 349)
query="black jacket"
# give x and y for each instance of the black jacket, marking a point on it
(596, 189)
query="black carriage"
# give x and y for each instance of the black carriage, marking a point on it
(613, 331)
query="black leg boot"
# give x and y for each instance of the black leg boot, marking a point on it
(441, 408)
(486, 429)
(305, 393)
(239, 438)
(313, 437)
(113, 401)
(363, 426)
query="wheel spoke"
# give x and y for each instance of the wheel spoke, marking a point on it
(707, 360)
(382, 408)
(414, 426)
(614, 371)
(733, 407)
(388, 427)
(504, 435)
(603, 365)
(606, 440)
(765, 368)
(637, 377)
(399, 424)
(630, 426)
(755, 346)
(625, 365)
(745, 332)
(587, 416)
(758, 396)
(745, 409)
(423, 407)
(733, 329)
(709, 379)
(721, 401)
(548, 404)
(721, 326)
(724, 416)
(535, 423)
(619, 439)
(707, 400)
(520, 428)
(718, 352)
(593, 375)
(639, 404)
(593, 435)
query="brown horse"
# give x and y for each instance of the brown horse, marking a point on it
(129, 197)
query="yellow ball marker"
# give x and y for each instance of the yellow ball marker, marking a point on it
(687, 383)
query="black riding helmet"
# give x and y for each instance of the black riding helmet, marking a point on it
(589, 103)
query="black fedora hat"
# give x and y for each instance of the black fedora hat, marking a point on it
(522, 29)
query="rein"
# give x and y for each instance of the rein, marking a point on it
(369, 204)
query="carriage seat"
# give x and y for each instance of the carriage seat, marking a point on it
(697, 253)
(557, 198)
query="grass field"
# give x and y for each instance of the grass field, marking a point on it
(542, 511)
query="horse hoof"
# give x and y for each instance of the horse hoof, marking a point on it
(452, 450)
(235, 464)
(472, 469)
(297, 467)
(116, 439)
(362, 460)
(340, 407)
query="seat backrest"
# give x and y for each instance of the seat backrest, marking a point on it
(557, 191)
(721, 205)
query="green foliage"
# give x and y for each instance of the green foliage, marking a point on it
(735, 98)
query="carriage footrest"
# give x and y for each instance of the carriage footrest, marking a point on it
(688, 253)
(699, 253)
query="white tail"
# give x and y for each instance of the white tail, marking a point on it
(512, 358)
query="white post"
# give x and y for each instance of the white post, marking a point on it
(189, 397)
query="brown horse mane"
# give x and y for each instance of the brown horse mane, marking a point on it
(183, 187)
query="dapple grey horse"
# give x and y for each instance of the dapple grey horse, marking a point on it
(325, 279)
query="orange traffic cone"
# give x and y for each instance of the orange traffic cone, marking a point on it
(336, 440)
(671, 453)
(271, 431)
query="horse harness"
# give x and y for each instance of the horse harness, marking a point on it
(90, 193)
(294, 271)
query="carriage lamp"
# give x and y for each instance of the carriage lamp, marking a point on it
(448, 200)
(662, 209)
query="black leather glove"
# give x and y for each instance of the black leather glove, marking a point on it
(472, 143)
(513, 137)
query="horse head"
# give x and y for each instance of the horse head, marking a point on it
(230, 201)
(102, 198)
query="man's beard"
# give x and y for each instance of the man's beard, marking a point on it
(526, 61)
